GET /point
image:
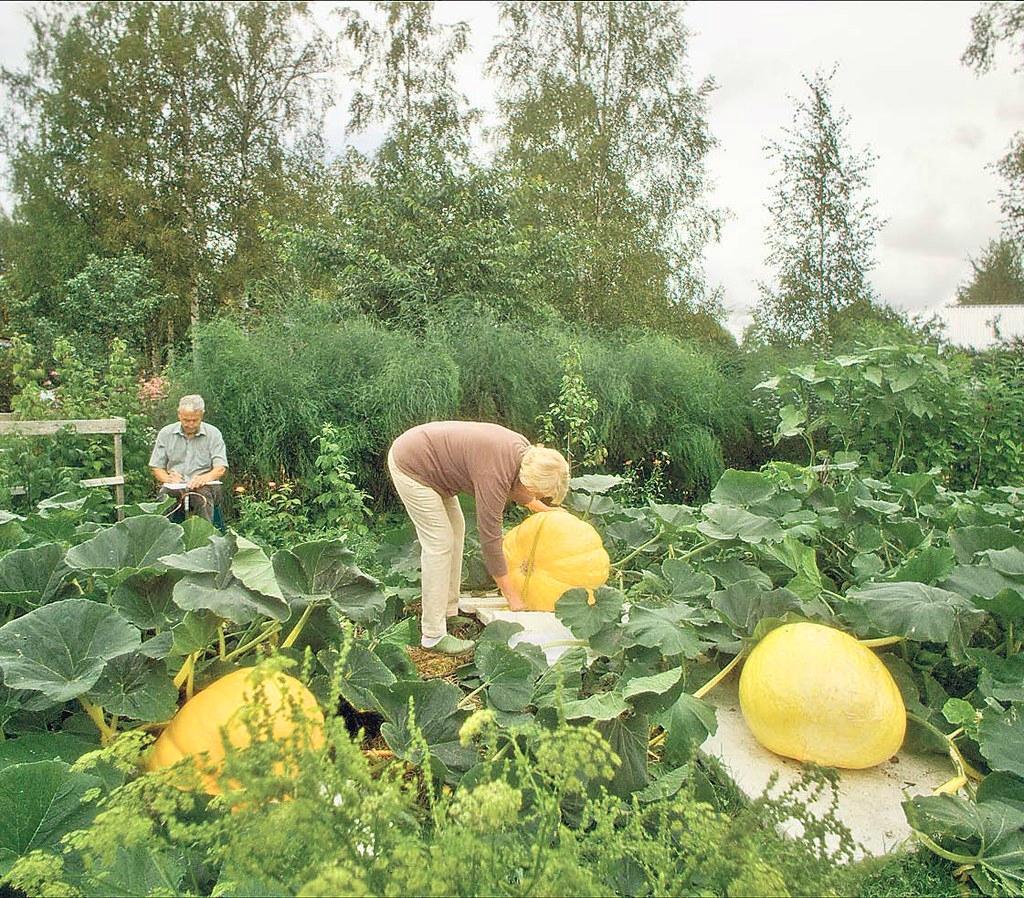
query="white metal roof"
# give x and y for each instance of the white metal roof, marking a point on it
(979, 327)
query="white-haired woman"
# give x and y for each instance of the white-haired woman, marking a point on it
(430, 465)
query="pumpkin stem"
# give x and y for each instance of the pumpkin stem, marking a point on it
(289, 640)
(881, 641)
(963, 768)
(182, 675)
(95, 713)
(718, 677)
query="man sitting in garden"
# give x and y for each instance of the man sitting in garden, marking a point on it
(189, 459)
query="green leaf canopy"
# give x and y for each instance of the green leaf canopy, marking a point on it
(39, 803)
(136, 687)
(134, 544)
(61, 649)
(915, 610)
(323, 572)
(211, 581)
(32, 577)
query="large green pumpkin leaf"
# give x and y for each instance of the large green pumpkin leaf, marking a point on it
(732, 570)
(133, 544)
(969, 541)
(1007, 605)
(970, 580)
(1001, 678)
(987, 837)
(1001, 737)
(666, 629)
(563, 680)
(1007, 561)
(653, 693)
(919, 612)
(604, 706)
(628, 737)
(43, 747)
(745, 604)
(194, 632)
(508, 675)
(878, 505)
(197, 531)
(743, 488)
(212, 557)
(146, 599)
(595, 483)
(931, 565)
(136, 687)
(674, 517)
(725, 522)
(138, 870)
(323, 572)
(61, 649)
(437, 716)
(585, 620)
(39, 803)
(683, 581)
(210, 582)
(802, 560)
(363, 670)
(33, 577)
(254, 569)
(687, 723)
(227, 598)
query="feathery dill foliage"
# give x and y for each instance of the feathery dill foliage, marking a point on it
(535, 819)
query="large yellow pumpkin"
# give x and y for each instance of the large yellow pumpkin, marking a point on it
(816, 694)
(196, 728)
(551, 552)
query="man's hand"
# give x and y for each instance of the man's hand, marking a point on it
(199, 480)
(163, 477)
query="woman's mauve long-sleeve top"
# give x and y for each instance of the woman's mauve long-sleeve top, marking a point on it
(454, 457)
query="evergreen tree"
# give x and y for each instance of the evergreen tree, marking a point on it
(821, 238)
(997, 278)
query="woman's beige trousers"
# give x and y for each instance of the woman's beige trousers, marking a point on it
(441, 529)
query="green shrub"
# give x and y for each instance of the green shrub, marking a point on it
(77, 387)
(508, 374)
(990, 428)
(270, 387)
(658, 393)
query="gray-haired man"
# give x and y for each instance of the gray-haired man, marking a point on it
(188, 456)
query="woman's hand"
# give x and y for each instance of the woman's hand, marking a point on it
(537, 505)
(511, 594)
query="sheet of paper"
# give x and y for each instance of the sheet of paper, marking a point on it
(183, 486)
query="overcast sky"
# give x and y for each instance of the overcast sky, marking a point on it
(934, 125)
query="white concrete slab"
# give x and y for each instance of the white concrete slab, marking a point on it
(541, 628)
(869, 800)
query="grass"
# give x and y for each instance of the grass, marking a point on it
(904, 873)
